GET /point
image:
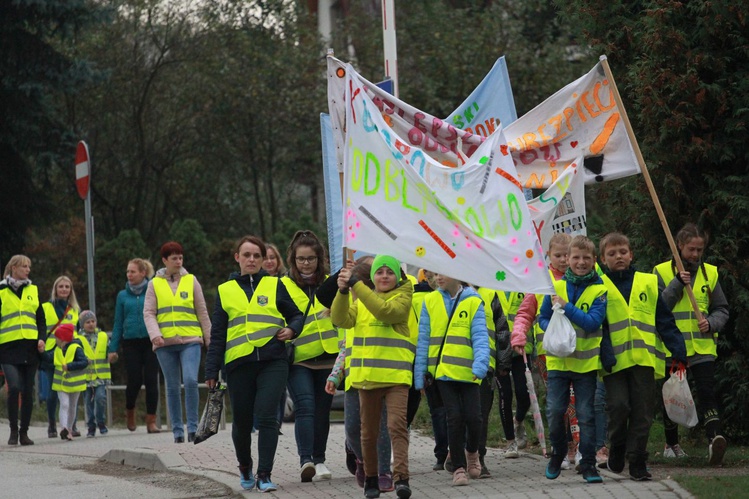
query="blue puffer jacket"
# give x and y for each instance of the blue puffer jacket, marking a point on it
(128, 317)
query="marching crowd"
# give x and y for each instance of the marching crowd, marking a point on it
(386, 338)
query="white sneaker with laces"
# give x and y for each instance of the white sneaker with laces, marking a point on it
(673, 451)
(321, 473)
(716, 450)
(511, 451)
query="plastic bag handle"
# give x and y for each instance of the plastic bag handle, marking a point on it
(677, 367)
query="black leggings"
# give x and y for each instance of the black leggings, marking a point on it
(505, 396)
(142, 368)
(20, 379)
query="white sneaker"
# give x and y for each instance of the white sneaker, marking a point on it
(511, 451)
(307, 471)
(321, 473)
(674, 451)
(520, 436)
(716, 450)
(565, 463)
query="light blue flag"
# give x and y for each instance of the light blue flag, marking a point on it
(490, 104)
(333, 200)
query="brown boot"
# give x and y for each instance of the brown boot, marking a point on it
(151, 424)
(131, 419)
(473, 464)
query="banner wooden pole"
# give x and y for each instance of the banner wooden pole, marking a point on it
(649, 182)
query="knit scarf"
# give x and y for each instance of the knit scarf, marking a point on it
(575, 279)
(16, 283)
(138, 289)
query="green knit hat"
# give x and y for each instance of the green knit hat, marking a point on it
(385, 261)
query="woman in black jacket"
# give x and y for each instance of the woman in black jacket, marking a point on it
(22, 332)
(253, 317)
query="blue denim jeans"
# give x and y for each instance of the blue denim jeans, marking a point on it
(96, 405)
(557, 400)
(601, 421)
(311, 412)
(184, 358)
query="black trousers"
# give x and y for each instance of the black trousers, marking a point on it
(141, 368)
(630, 406)
(20, 379)
(463, 406)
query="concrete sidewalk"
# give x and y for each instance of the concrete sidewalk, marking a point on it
(214, 459)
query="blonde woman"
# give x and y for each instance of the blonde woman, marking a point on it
(141, 363)
(62, 308)
(22, 333)
(273, 263)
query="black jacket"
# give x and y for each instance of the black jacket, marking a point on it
(273, 350)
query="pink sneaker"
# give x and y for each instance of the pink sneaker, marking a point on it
(385, 482)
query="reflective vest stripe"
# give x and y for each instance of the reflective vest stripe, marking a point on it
(13, 315)
(382, 363)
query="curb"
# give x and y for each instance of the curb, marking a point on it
(145, 458)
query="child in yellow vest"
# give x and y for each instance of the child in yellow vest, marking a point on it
(95, 343)
(381, 361)
(701, 337)
(70, 376)
(582, 296)
(634, 314)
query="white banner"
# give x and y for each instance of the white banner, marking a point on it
(561, 208)
(471, 223)
(582, 119)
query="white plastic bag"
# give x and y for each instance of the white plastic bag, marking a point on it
(677, 398)
(560, 338)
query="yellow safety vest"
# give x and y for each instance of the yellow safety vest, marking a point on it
(18, 315)
(252, 323)
(696, 342)
(487, 295)
(98, 363)
(378, 353)
(510, 305)
(586, 356)
(50, 315)
(319, 335)
(176, 311)
(68, 381)
(456, 361)
(632, 325)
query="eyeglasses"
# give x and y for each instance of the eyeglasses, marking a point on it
(309, 259)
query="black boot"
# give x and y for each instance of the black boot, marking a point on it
(52, 430)
(402, 489)
(13, 440)
(24, 438)
(371, 486)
